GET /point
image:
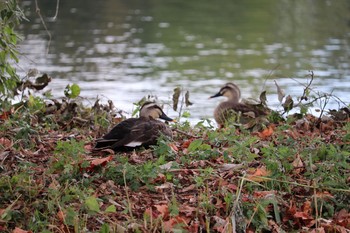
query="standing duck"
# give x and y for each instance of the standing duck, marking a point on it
(234, 108)
(137, 132)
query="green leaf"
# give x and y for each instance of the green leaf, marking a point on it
(186, 114)
(195, 145)
(92, 204)
(104, 228)
(72, 91)
(111, 209)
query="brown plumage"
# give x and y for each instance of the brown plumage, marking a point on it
(232, 107)
(136, 132)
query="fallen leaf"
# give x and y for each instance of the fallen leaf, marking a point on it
(169, 225)
(19, 230)
(5, 143)
(187, 143)
(220, 224)
(342, 218)
(61, 215)
(99, 161)
(163, 210)
(258, 174)
(167, 166)
(173, 147)
(167, 185)
(298, 165)
(266, 132)
(188, 188)
(230, 167)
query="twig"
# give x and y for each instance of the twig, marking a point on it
(297, 184)
(307, 87)
(127, 194)
(184, 133)
(57, 6)
(37, 9)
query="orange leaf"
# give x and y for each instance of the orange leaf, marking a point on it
(163, 210)
(99, 161)
(6, 143)
(61, 216)
(5, 115)
(173, 147)
(19, 230)
(169, 225)
(266, 132)
(259, 172)
(306, 207)
(187, 143)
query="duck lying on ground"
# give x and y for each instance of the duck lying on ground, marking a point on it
(136, 132)
(234, 108)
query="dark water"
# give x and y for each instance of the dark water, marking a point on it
(126, 49)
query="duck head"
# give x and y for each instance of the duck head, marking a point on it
(229, 90)
(152, 110)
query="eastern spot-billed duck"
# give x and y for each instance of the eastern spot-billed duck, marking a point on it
(233, 108)
(137, 132)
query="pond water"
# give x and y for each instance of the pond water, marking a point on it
(126, 49)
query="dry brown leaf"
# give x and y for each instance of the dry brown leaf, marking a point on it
(169, 225)
(280, 92)
(298, 165)
(342, 218)
(258, 174)
(61, 215)
(166, 185)
(5, 142)
(99, 161)
(163, 210)
(173, 147)
(188, 188)
(219, 224)
(266, 132)
(19, 230)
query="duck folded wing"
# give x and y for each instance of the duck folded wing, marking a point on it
(117, 134)
(144, 133)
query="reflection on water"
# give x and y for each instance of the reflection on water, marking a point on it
(123, 50)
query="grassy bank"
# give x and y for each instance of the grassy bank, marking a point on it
(292, 176)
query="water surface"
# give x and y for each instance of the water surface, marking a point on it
(126, 49)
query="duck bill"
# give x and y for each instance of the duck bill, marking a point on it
(216, 95)
(165, 117)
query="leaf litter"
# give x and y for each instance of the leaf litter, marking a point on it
(197, 184)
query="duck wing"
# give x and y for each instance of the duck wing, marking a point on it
(144, 133)
(239, 112)
(117, 133)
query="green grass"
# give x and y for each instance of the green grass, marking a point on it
(202, 179)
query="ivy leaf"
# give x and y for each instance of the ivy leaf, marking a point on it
(72, 91)
(111, 209)
(92, 204)
(104, 228)
(195, 145)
